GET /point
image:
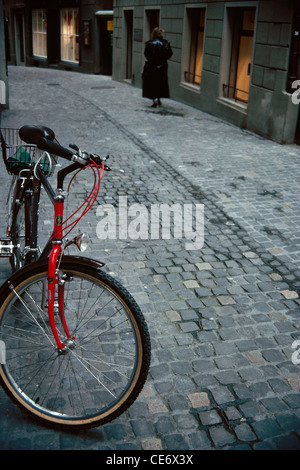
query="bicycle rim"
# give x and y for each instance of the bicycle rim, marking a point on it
(101, 371)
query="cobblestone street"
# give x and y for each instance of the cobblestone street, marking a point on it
(223, 318)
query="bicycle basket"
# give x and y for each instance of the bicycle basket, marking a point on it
(19, 156)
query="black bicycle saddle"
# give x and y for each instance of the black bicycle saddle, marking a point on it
(32, 134)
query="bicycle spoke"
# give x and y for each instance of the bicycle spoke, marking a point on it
(32, 316)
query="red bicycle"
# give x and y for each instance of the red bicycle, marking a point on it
(74, 345)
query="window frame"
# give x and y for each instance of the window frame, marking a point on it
(189, 45)
(229, 78)
(39, 33)
(75, 37)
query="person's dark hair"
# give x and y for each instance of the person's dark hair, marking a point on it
(157, 33)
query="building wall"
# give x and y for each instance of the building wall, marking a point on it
(90, 59)
(4, 94)
(270, 111)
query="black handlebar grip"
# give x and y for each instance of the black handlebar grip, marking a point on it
(52, 147)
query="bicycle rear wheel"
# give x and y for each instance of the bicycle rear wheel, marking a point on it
(100, 372)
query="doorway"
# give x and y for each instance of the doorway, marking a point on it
(19, 37)
(294, 63)
(152, 21)
(128, 16)
(106, 46)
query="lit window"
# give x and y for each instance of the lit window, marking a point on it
(39, 33)
(242, 27)
(69, 23)
(196, 19)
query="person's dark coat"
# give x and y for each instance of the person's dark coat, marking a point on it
(155, 73)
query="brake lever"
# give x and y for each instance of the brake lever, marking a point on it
(99, 161)
(74, 147)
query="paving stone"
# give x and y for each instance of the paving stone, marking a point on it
(199, 399)
(178, 402)
(228, 333)
(250, 373)
(290, 442)
(203, 266)
(266, 428)
(288, 422)
(173, 316)
(242, 391)
(256, 357)
(251, 409)
(245, 433)
(164, 425)
(292, 400)
(232, 414)
(279, 385)
(222, 395)
(294, 382)
(142, 428)
(156, 406)
(20, 444)
(227, 377)
(274, 405)
(225, 299)
(200, 441)
(191, 284)
(250, 254)
(220, 436)
(210, 417)
(181, 368)
(188, 327)
(152, 444)
(185, 421)
(289, 294)
(175, 442)
(273, 355)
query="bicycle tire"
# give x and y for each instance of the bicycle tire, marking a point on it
(17, 230)
(99, 375)
(21, 229)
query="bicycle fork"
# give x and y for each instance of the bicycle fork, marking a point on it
(56, 283)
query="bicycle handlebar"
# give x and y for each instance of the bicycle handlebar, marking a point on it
(79, 158)
(52, 147)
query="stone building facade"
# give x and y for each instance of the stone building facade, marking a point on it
(67, 34)
(238, 60)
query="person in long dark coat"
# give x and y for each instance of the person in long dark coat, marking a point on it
(155, 73)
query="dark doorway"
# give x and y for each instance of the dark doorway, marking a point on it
(294, 65)
(129, 40)
(106, 37)
(153, 18)
(19, 37)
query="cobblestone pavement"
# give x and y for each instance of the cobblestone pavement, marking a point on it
(223, 319)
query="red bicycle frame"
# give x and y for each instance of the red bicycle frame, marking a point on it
(55, 280)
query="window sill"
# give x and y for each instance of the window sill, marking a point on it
(69, 63)
(190, 87)
(237, 106)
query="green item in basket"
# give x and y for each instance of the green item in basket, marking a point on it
(20, 156)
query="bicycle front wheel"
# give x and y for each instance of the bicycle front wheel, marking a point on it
(100, 372)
